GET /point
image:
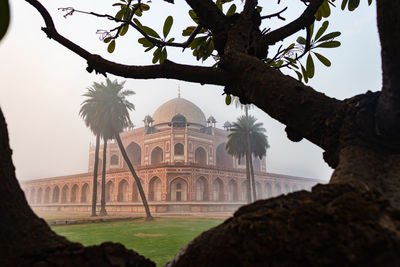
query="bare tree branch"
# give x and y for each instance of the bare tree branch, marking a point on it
(168, 70)
(305, 20)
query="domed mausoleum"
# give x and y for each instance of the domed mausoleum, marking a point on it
(183, 165)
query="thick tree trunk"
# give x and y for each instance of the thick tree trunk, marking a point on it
(137, 180)
(103, 211)
(95, 169)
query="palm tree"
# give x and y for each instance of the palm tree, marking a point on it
(112, 116)
(89, 115)
(247, 138)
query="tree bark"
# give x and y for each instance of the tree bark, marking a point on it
(95, 169)
(103, 211)
(249, 153)
(137, 179)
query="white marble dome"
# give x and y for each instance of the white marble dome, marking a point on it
(169, 109)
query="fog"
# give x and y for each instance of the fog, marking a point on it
(42, 85)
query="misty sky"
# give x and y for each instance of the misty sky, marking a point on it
(42, 85)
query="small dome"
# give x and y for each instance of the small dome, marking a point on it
(167, 111)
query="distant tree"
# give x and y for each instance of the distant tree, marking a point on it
(113, 113)
(89, 113)
(247, 138)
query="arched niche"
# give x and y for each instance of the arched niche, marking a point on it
(157, 155)
(178, 189)
(155, 189)
(32, 196)
(134, 154)
(85, 193)
(178, 149)
(201, 189)
(258, 190)
(64, 194)
(223, 159)
(218, 190)
(109, 191)
(232, 190)
(135, 191)
(268, 190)
(114, 160)
(200, 156)
(47, 195)
(244, 191)
(278, 189)
(123, 191)
(56, 194)
(74, 193)
(39, 196)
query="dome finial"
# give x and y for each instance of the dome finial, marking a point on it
(179, 91)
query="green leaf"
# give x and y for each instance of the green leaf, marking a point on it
(163, 55)
(311, 29)
(301, 40)
(4, 17)
(193, 15)
(107, 40)
(111, 46)
(120, 13)
(188, 31)
(145, 42)
(137, 22)
(322, 29)
(299, 76)
(149, 31)
(156, 55)
(303, 70)
(167, 25)
(369, 2)
(149, 48)
(329, 36)
(228, 99)
(330, 44)
(310, 66)
(171, 40)
(344, 3)
(323, 59)
(124, 30)
(231, 10)
(325, 9)
(353, 4)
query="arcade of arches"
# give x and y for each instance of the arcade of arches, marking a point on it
(180, 157)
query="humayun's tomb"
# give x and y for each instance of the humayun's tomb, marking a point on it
(181, 159)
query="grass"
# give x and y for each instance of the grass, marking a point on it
(158, 240)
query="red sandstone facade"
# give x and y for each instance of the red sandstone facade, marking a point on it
(181, 160)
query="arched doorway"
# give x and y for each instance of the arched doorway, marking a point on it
(39, 196)
(123, 191)
(74, 193)
(201, 189)
(232, 191)
(200, 156)
(178, 190)
(109, 191)
(85, 193)
(218, 190)
(56, 194)
(64, 194)
(222, 157)
(135, 191)
(156, 155)
(114, 160)
(155, 189)
(47, 195)
(134, 154)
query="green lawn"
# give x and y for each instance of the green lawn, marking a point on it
(158, 240)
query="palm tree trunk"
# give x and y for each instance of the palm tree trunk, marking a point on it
(249, 164)
(95, 168)
(253, 182)
(248, 179)
(138, 183)
(103, 211)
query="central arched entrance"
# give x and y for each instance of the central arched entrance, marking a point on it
(178, 190)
